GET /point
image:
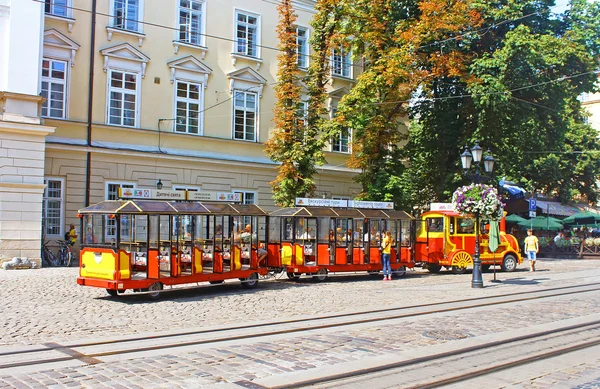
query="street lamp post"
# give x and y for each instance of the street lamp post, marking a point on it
(466, 158)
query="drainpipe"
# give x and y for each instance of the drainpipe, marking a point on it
(88, 167)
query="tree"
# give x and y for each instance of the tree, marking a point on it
(291, 144)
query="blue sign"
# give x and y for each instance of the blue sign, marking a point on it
(532, 204)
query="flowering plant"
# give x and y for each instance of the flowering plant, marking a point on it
(478, 198)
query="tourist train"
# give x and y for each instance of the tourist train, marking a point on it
(142, 244)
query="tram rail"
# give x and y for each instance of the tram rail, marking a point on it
(87, 353)
(562, 340)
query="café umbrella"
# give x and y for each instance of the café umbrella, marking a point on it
(514, 218)
(582, 218)
(546, 223)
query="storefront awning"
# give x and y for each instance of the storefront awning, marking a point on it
(554, 208)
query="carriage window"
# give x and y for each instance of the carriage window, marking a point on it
(376, 226)
(153, 231)
(451, 225)
(274, 229)
(394, 231)
(405, 232)
(342, 228)
(287, 229)
(358, 232)
(325, 229)
(435, 224)
(465, 226)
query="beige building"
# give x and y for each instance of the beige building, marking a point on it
(591, 103)
(176, 91)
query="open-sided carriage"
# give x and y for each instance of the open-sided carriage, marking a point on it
(142, 245)
(444, 238)
(317, 240)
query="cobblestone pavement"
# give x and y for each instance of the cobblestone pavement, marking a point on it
(46, 305)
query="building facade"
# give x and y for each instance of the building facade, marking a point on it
(140, 91)
(591, 103)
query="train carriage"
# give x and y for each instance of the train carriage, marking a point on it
(315, 241)
(445, 238)
(143, 245)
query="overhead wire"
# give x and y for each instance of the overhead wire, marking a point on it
(412, 101)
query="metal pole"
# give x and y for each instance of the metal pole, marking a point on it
(477, 281)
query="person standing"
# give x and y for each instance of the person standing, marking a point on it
(385, 256)
(532, 247)
(71, 236)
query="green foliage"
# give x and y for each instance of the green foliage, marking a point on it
(294, 143)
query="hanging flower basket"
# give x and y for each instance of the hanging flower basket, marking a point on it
(478, 199)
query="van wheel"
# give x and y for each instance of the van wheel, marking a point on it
(510, 263)
(293, 276)
(458, 270)
(251, 281)
(321, 275)
(433, 268)
(215, 282)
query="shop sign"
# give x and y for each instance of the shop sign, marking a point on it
(316, 202)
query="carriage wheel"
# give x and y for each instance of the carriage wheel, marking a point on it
(400, 272)
(251, 281)
(321, 275)
(433, 267)
(115, 293)
(155, 288)
(460, 261)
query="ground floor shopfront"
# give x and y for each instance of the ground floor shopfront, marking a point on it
(77, 175)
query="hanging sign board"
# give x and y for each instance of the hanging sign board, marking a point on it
(371, 204)
(310, 202)
(441, 207)
(532, 204)
(154, 194)
(214, 196)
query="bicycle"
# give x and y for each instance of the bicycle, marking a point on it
(48, 257)
(65, 255)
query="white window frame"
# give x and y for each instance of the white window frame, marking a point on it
(345, 60)
(138, 94)
(111, 223)
(201, 31)
(338, 141)
(140, 16)
(61, 199)
(247, 219)
(65, 83)
(236, 23)
(50, 5)
(256, 111)
(200, 103)
(244, 193)
(304, 54)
